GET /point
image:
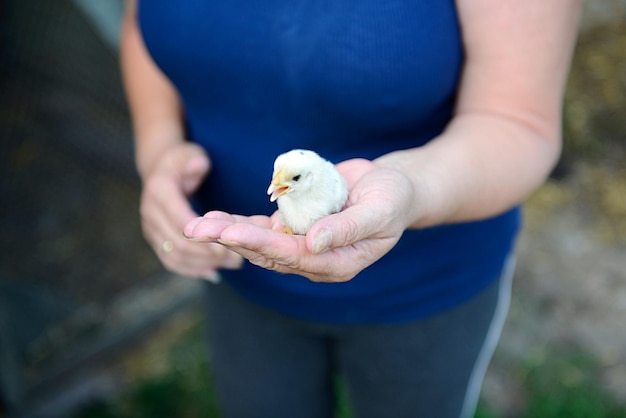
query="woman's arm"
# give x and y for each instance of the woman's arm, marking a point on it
(170, 167)
(506, 133)
(154, 104)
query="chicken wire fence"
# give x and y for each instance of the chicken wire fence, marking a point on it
(76, 277)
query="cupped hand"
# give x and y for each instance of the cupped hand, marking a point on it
(337, 247)
(165, 209)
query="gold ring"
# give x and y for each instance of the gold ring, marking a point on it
(167, 246)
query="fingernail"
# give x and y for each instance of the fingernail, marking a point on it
(191, 225)
(322, 240)
(198, 239)
(215, 279)
(228, 243)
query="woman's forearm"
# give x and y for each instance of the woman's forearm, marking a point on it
(505, 136)
(154, 104)
(480, 166)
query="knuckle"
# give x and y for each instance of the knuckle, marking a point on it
(291, 262)
(349, 232)
(263, 262)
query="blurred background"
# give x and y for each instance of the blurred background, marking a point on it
(92, 326)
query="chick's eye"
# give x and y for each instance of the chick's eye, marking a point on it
(296, 178)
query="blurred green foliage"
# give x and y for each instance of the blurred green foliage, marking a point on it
(180, 388)
(566, 385)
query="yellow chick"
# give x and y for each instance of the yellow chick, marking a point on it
(306, 188)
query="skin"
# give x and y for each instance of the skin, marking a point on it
(170, 167)
(501, 144)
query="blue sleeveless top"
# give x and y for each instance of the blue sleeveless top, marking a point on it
(346, 79)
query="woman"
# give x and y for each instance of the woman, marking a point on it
(442, 117)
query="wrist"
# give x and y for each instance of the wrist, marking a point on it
(420, 194)
(149, 153)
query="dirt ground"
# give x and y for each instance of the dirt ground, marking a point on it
(569, 293)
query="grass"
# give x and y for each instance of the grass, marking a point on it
(568, 385)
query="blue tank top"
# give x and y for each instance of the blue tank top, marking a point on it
(346, 79)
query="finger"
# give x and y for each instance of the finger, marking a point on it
(166, 210)
(181, 255)
(263, 246)
(177, 209)
(354, 169)
(163, 195)
(159, 227)
(208, 227)
(348, 227)
(201, 261)
(329, 267)
(215, 279)
(219, 256)
(194, 172)
(232, 261)
(211, 225)
(168, 215)
(261, 238)
(378, 208)
(287, 253)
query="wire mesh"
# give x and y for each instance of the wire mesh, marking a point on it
(70, 242)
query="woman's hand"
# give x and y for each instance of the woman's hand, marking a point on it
(339, 246)
(165, 210)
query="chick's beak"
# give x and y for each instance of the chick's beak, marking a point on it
(277, 187)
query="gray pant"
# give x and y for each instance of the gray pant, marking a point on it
(268, 365)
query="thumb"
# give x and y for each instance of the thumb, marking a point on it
(194, 172)
(341, 229)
